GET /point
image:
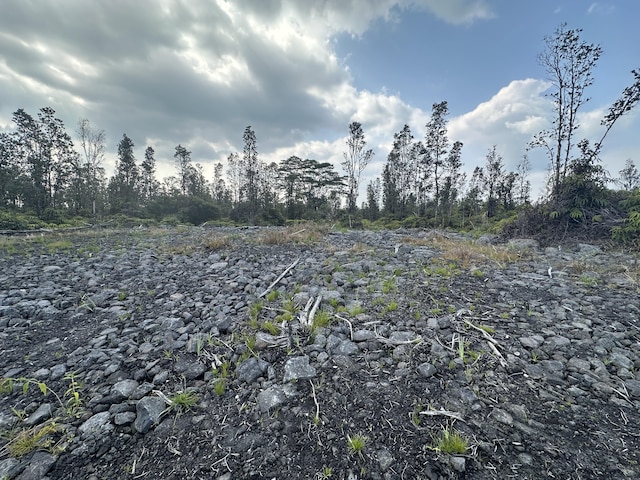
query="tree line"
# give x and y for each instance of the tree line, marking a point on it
(43, 172)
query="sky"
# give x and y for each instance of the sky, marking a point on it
(197, 72)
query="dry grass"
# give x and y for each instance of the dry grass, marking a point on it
(306, 234)
(467, 254)
(218, 242)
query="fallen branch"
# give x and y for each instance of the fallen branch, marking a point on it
(491, 341)
(348, 323)
(443, 413)
(282, 275)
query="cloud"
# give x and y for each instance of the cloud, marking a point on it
(459, 11)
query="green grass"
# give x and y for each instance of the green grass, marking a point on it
(452, 442)
(356, 444)
(183, 401)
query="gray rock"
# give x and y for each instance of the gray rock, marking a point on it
(272, 397)
(148, 412)
(124, 389)
(124, 418)
(345, 347)
(98, 423)
(385, 459)
(533, 341)
(427, 370)
(633, 387)
(8, 467)
(458, 463)
(502, 416)
(39, 465)
(43, 413)
(621, 361)
(251, 369)
(298, 368)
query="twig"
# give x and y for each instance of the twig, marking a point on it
(275, 282)
(314, 309)
(443, 413)
(348, 323)
(315, 400)
(491, 341)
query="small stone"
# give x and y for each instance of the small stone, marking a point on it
(502, 416)
(251, 369)
(124, 389)
(298, 368)
(40, 415)
(124, 418)
(633, 387)
(39, 465)
(533, 341)
(385, 459)
(148, 412)
(458, 463)
(427, 370)
(346, 347)
(272, 397)
(97, 423)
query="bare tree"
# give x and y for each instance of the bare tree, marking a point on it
(356, 159)
(569, 63)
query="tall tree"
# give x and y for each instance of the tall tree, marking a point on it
(90, 174)
(399, 174)
(523, 183)
(436, 146)
(494, 169)
(250, 172)
(219, 189)
(569, 63)
(183, 162)
(45, 151)
(149, 185)
(234, 175)
(356, 159)
(123, 185)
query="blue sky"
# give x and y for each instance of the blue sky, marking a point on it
(197, 72)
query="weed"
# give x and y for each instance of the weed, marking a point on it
(486, 328)
(389, 285)
(321, 319)
(270, 327)
(183, 401)
(86, 302)
(323, 474)
(391, 307)
(476, 272)
(416, 419)
(35, 438)
(356, 310)
(504, 315)
(356, 444)
(122, 296)
(73, 403)
(273, 295)
(452, 442)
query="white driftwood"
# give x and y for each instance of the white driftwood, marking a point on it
(275, 282)
(443, 413)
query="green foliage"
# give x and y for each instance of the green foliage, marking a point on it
(356, 444)
(452, 442)
(183, 401)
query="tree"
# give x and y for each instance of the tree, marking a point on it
(523, 184)
(436, 146)
(149, 186)
(356, 159)
(629, 176)
(568, 62)
(494, 171)
(45, 154)
(183, 162)
(399, 174)
(250, 171)
(373, 199)
(219, 189)
(123, 185)
(89, 176)
(234, 176)
(452, 179)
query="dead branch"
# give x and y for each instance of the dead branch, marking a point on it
(282, 275)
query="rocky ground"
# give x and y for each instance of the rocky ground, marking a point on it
(198, 354)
